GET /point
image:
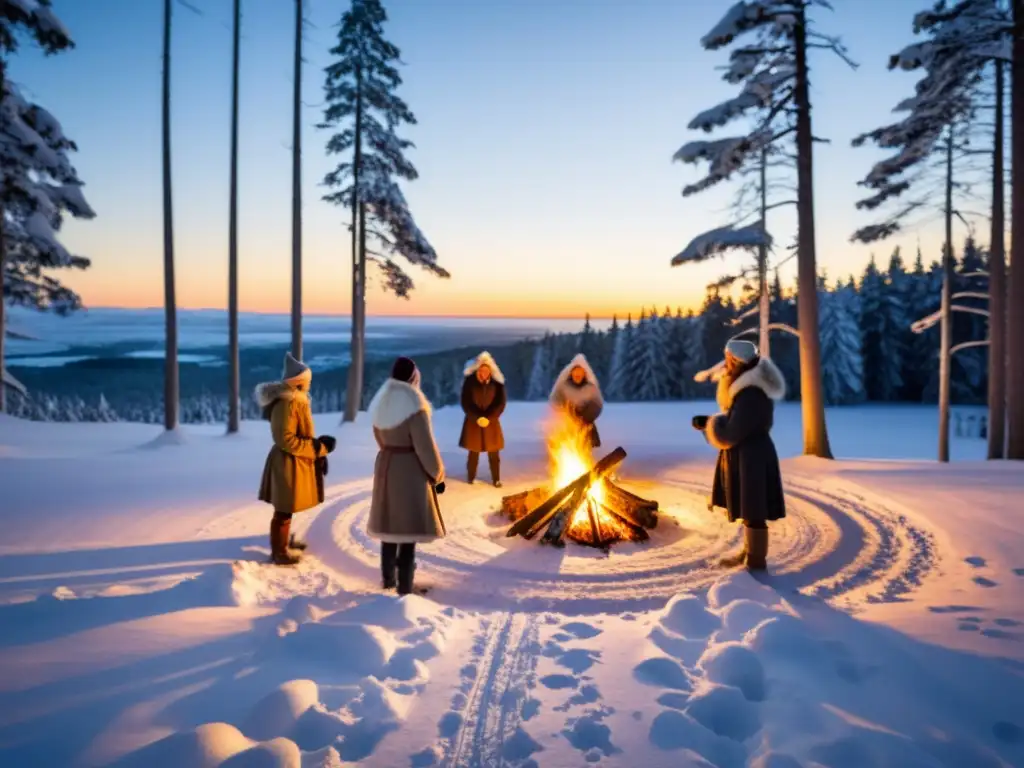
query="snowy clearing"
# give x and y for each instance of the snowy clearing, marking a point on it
(140, 627)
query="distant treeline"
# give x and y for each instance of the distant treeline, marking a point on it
(869, 353)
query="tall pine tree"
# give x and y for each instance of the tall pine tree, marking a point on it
(38, 184)
(619, 381)
(884, 327)
(842, 363)
(360, 95)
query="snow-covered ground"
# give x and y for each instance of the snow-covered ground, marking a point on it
(139, 627)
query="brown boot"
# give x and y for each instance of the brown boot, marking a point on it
(737, 559)
(279, 552)
(757, 549)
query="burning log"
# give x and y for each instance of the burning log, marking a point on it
(542, 514)
(590, 510)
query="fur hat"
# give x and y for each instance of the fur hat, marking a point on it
(295, 371)
(404, 369)
(743, 350)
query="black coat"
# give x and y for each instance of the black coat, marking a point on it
(748, 481)
(487, 401)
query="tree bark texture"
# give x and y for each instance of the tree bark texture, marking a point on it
(812, 398)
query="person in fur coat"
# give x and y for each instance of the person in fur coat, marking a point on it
(407, 476)
(483, 402)
(293, 474)
(577, 393)
(748, 480)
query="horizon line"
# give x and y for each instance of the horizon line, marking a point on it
(506, 316)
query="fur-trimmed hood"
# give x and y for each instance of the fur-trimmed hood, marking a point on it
(484, 358)
(766, 376)
(587, 392)
(581, 362)
(270, 392)
(395, 402)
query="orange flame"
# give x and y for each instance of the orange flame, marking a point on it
(570, 455)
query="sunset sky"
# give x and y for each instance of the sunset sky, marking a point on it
(544, 145)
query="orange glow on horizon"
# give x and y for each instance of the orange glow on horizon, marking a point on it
(431, 299)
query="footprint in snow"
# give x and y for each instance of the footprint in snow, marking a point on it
(578, 660)
(588, 734)
(952, 608)
(1007, 622)
(581, 631)
(974, 560)
(981, 581)
(449, 724)
(1003, 634)
(1018, 571)
(558, 682)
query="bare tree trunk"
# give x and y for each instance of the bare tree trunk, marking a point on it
(3, 306)
(1015, 297)
(359, 360)
(762, 266)
(234, 387)
(811, 390)
(997, 287)
(297, 190)
(354, 391)
(946, 328)
(3, 256)
(170, 299)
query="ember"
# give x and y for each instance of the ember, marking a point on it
(587, 507)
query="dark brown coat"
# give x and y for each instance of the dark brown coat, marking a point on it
(290, 481)
(404, 506)
(748, 480)
(483, 400)
(583, 402)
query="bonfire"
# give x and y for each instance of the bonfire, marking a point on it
(582, 503)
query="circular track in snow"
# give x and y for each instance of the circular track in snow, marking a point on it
(832, 543)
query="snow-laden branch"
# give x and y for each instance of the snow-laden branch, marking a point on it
(719, 241)
(13, 383)
(20, 335)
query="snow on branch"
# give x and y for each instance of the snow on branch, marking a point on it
(760, 90)
(13, 383)
(11, 333)
(742, 17)
(971, 295)
(718, 241)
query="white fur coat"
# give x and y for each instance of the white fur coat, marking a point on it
(396, 402)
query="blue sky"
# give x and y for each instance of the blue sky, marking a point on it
(544, 144)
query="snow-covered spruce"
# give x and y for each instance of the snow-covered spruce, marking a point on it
(360, 93)
(961, 38)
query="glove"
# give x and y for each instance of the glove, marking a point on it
(700, 423)
(439, 488)
(328, 442)
(483, 421)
